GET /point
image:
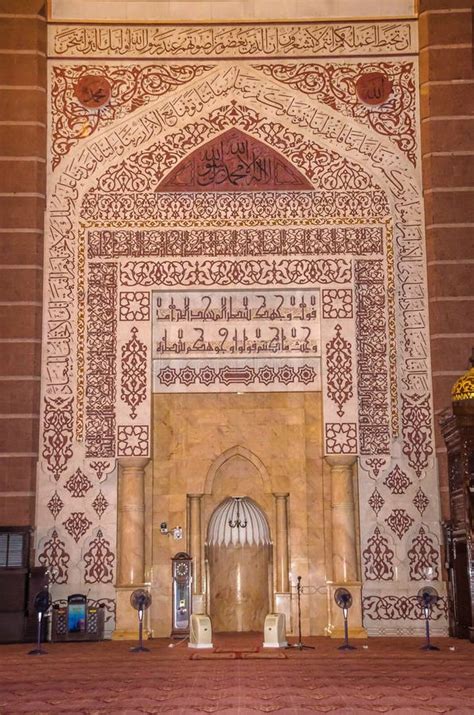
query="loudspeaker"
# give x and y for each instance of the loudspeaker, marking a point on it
(275, 631)
(200, 634)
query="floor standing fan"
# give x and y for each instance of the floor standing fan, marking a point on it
(343, 598)
(427, 597)
(41, 604)
(141, 601)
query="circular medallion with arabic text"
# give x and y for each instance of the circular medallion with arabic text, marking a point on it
(93, 91)
(373, 88)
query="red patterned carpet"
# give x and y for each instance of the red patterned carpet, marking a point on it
(391, 675)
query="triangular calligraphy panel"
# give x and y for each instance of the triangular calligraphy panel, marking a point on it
(235, 161)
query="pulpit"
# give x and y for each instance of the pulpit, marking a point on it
(457, 427)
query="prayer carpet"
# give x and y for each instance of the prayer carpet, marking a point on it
(390, 676)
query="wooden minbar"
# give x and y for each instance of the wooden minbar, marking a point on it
(457, 426)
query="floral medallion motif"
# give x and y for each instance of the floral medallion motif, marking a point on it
(416, 428)
(78, 484)
(55, 557)
(376, 501)
(399, 522)
(423, 557)
(339, 370)
(77, 525)
(397, 481)
(378, 558)
(99, 561)
(421, 501)
(100, 504)
(57, 434)
(55, 504)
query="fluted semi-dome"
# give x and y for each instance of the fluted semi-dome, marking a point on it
(463, 388)
(238, 521)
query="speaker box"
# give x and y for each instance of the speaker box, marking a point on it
(275, 631)
(200, 634)
(13, 589)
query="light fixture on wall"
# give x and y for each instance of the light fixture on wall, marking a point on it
(235, 521)
(176, 533)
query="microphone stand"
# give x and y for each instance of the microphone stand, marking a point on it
(300, 645)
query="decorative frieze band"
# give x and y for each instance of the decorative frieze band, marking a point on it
(305, 39)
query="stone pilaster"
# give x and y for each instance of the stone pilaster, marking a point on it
(130, 542)
(344, 550)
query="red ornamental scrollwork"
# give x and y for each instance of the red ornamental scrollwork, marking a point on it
(130, 87)
(417, 431)
(372, 373)
(102, 359)
(134, 372)
(233, 272)
(378, 558)
(78, 484)
(171, 243)
(57, 434)
(423, 557)
(324, 168)
(55, 557)
(335, 85)
(394, 608)
(339, 370)
(149, 206)
(99, 560)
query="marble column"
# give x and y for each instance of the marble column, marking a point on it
(130, 542)
(281, 556)
(195, 550)
(345, 568)
(282, 595)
